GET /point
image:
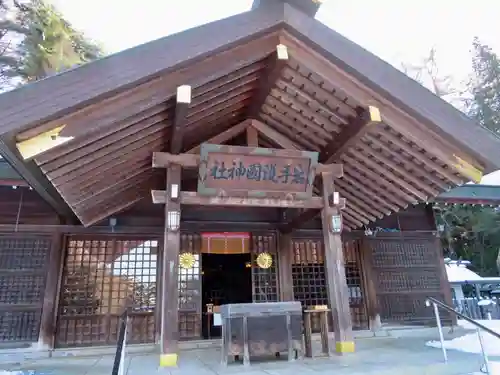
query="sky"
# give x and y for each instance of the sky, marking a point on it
(397, 31)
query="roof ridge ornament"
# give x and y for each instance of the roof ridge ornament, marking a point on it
(308, 7)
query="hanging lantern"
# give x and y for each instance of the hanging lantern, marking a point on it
(186, 260)
(173, 220)
(336, 223)
(265, 260)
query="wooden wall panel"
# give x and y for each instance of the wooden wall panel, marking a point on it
(24, 206)
(407, 269)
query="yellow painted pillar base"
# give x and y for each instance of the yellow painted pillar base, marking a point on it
(168, 360)
(344, 347)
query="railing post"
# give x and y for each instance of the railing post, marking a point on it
(121, 369)
(440, 329)
(119, 362)
(483, 351)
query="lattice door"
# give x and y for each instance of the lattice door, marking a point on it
(406, 271)
(23, 268)
(102, 277)
(264, 280)
(190, 309)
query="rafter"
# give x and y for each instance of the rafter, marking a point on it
(269, 78)
(351, 134)
(224, 136)
(397, 118)
(182, 101)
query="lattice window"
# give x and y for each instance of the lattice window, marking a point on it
(100, 279)
(308, 273)
(309, 278)
(21, 291)
(264, 280)
(189, 284)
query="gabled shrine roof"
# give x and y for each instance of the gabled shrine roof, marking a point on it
(121, 108)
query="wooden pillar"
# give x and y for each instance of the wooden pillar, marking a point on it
(338, 295)
(49, 310)
(369, 287)
(170, 270)
(285, 267)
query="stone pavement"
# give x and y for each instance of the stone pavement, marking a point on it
(380, 356)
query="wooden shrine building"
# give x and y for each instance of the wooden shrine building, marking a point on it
(262, 157)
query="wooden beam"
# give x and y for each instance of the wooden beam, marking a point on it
(192, 198)
(252, 137)
(351, 134)
(165, 159)
(224, 136)
(182, 101)
(269, 78)
(274, 135)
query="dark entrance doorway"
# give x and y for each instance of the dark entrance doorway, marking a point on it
(226, 278)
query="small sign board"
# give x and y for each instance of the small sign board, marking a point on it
(255, 172)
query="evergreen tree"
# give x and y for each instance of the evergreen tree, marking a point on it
(484, 87)
(471, 233)
(484, 106)
(36, 41)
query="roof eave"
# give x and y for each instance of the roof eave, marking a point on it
(120, 70)
(409, 95)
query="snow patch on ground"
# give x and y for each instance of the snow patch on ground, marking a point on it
(494, 369)
(470, 343)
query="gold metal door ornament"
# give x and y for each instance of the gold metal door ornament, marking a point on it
(186, 260)
(265, 260)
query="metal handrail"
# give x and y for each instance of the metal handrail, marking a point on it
(485, 368)
(464, 317)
